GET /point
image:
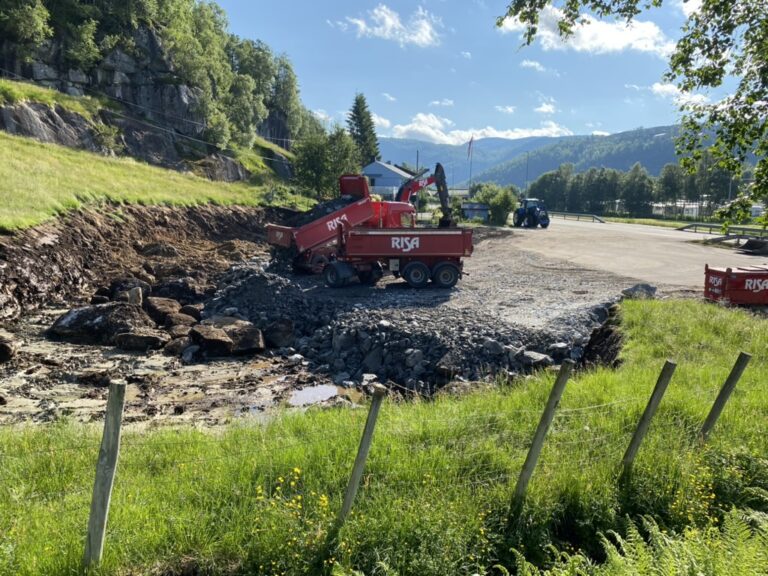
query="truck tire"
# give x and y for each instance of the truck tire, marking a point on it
(517, 219)
(333, 276)
(445, 275)
(416, 274)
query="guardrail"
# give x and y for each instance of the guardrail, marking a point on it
(577, 216)
(734, 231)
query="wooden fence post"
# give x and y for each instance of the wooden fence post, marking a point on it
(645, 420)
(105, 475)
(541, 432)
(724, 395)
(362, 455)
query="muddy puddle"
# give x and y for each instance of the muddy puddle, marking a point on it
(50, 380)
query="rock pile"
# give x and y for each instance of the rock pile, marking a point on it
(411, 344)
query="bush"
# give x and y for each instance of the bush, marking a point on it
(500, 200)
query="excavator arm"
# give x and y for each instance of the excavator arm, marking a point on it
(412, 186)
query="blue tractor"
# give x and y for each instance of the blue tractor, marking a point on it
(530, 214)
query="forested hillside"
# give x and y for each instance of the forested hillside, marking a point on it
(172, 61)
(651, 147)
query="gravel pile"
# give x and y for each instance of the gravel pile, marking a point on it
(401, 335)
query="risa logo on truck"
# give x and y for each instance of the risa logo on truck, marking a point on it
(405, 244)
(756, 284)
(336, 222)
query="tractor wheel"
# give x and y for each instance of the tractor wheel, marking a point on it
(445, 275)
(544, 223)
(533, 220)
(416, 274)
(332, 276)
(517, 219)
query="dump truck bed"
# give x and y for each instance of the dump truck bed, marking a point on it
(320, 231)
(408, 242)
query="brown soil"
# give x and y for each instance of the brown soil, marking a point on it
(60, 261)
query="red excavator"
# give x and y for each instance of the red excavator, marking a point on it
(365, 238)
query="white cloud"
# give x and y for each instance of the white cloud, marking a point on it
(467, 55)
(435, 129)
(389, 97)
(380, 122)
(343, 26)
(322, 115)
(670, 92)
(445, 102)
(596, 36)
(547, 105)
(506, 109)
(383, 22)
(600, 133)
(688, 7)
(533, 65)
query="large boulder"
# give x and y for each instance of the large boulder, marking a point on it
(100, 324)
(8, 346)
(160, 308)
(179, 319)
(247, 338)
(142, 339)
(211, 340)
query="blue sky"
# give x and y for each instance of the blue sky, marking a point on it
(440, 70)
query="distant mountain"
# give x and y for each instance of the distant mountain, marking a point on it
(506, 161)
(487, 153)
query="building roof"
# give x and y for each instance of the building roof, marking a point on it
(379, 168)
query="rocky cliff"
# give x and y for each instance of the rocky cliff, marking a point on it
(151, 116)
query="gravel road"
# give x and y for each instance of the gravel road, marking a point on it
(661, 256)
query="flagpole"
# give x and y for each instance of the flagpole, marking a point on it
(471, 141)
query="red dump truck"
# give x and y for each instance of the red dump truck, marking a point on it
(747, 286)
(366, 238)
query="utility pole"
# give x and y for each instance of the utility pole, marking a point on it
(527, 154)
(417, 160)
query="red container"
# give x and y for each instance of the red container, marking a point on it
(737, 285)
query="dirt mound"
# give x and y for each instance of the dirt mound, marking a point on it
(59, 261)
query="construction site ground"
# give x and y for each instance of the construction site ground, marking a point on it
(537, 285)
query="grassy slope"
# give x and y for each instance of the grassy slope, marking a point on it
(13, 92)
(39, 181)
(260, 499)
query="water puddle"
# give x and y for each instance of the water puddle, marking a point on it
(313, 395)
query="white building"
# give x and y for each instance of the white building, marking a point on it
(385, 179)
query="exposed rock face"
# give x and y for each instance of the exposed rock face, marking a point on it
(55, 125)
(157, 110)
(100, 324)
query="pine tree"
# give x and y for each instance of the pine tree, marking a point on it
(362, 130)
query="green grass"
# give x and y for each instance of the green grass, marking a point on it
(14, 92)
(261, 499)
(41, 181)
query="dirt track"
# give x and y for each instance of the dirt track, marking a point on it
(509, 294)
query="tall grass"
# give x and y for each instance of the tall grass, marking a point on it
(40, 181)
(261, 498)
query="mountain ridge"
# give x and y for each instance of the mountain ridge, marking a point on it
(523, 160)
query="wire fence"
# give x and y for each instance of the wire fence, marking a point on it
(440, 452)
